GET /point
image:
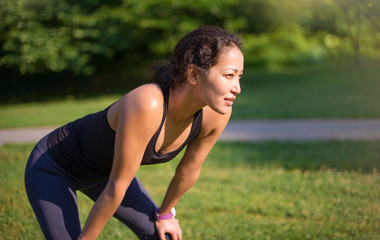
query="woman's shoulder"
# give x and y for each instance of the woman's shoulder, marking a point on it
(146, 90)
(144, 101)
(147, 96)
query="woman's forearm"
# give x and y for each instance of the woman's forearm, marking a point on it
(177, 187)
(103, 209)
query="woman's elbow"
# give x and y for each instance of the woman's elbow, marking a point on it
(115, 189)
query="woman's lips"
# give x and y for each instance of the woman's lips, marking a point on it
(230, 100)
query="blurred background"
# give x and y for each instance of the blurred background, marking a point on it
(58, 48)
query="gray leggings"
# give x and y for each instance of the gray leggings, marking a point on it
(52, 193)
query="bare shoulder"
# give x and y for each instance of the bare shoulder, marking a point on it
(145, 101)
(213, 123)
(146, 97)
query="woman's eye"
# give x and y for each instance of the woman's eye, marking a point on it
(229, 75)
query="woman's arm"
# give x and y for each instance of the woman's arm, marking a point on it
(188, 170)
(135, 121)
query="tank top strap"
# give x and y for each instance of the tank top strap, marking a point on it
(165, 91)
(153, 157)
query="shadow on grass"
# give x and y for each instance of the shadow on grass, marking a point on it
(16, 88)
(359, 156)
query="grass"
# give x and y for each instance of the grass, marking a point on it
(330, 90)
(320, 190)
(50, 113)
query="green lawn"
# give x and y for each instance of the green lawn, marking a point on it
(329, 90)
(50, 113)
(321, 190)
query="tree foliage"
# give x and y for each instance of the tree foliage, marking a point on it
(79, 36)
(359, 21)
(290, 32)
(84, 37)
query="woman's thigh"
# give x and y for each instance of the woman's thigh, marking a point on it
(51, 196)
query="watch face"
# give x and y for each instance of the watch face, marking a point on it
(173, 211)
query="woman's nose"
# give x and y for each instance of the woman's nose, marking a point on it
(236, 89)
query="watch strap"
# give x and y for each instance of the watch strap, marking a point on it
(164, 216)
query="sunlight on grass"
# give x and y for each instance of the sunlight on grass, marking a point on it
(51, 113)
(260, 196)
(330, 90)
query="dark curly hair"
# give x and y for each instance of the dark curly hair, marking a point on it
(200, 47)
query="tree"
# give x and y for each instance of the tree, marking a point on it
(85, 36)
(359, 21)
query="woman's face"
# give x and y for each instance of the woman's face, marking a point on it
(219, 87)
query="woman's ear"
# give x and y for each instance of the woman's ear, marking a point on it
(192, 74)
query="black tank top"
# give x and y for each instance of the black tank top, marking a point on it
(85, 147)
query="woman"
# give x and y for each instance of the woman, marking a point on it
(188, 103)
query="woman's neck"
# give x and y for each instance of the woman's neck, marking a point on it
(183, 104)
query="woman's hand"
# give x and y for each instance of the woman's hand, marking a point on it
(170, 226)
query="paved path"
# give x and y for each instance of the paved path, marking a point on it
(23, 135)
(278, 130)
(303, 130)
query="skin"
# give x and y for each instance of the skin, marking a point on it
(137, 116)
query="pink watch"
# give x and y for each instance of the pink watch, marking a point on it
(165, 216)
